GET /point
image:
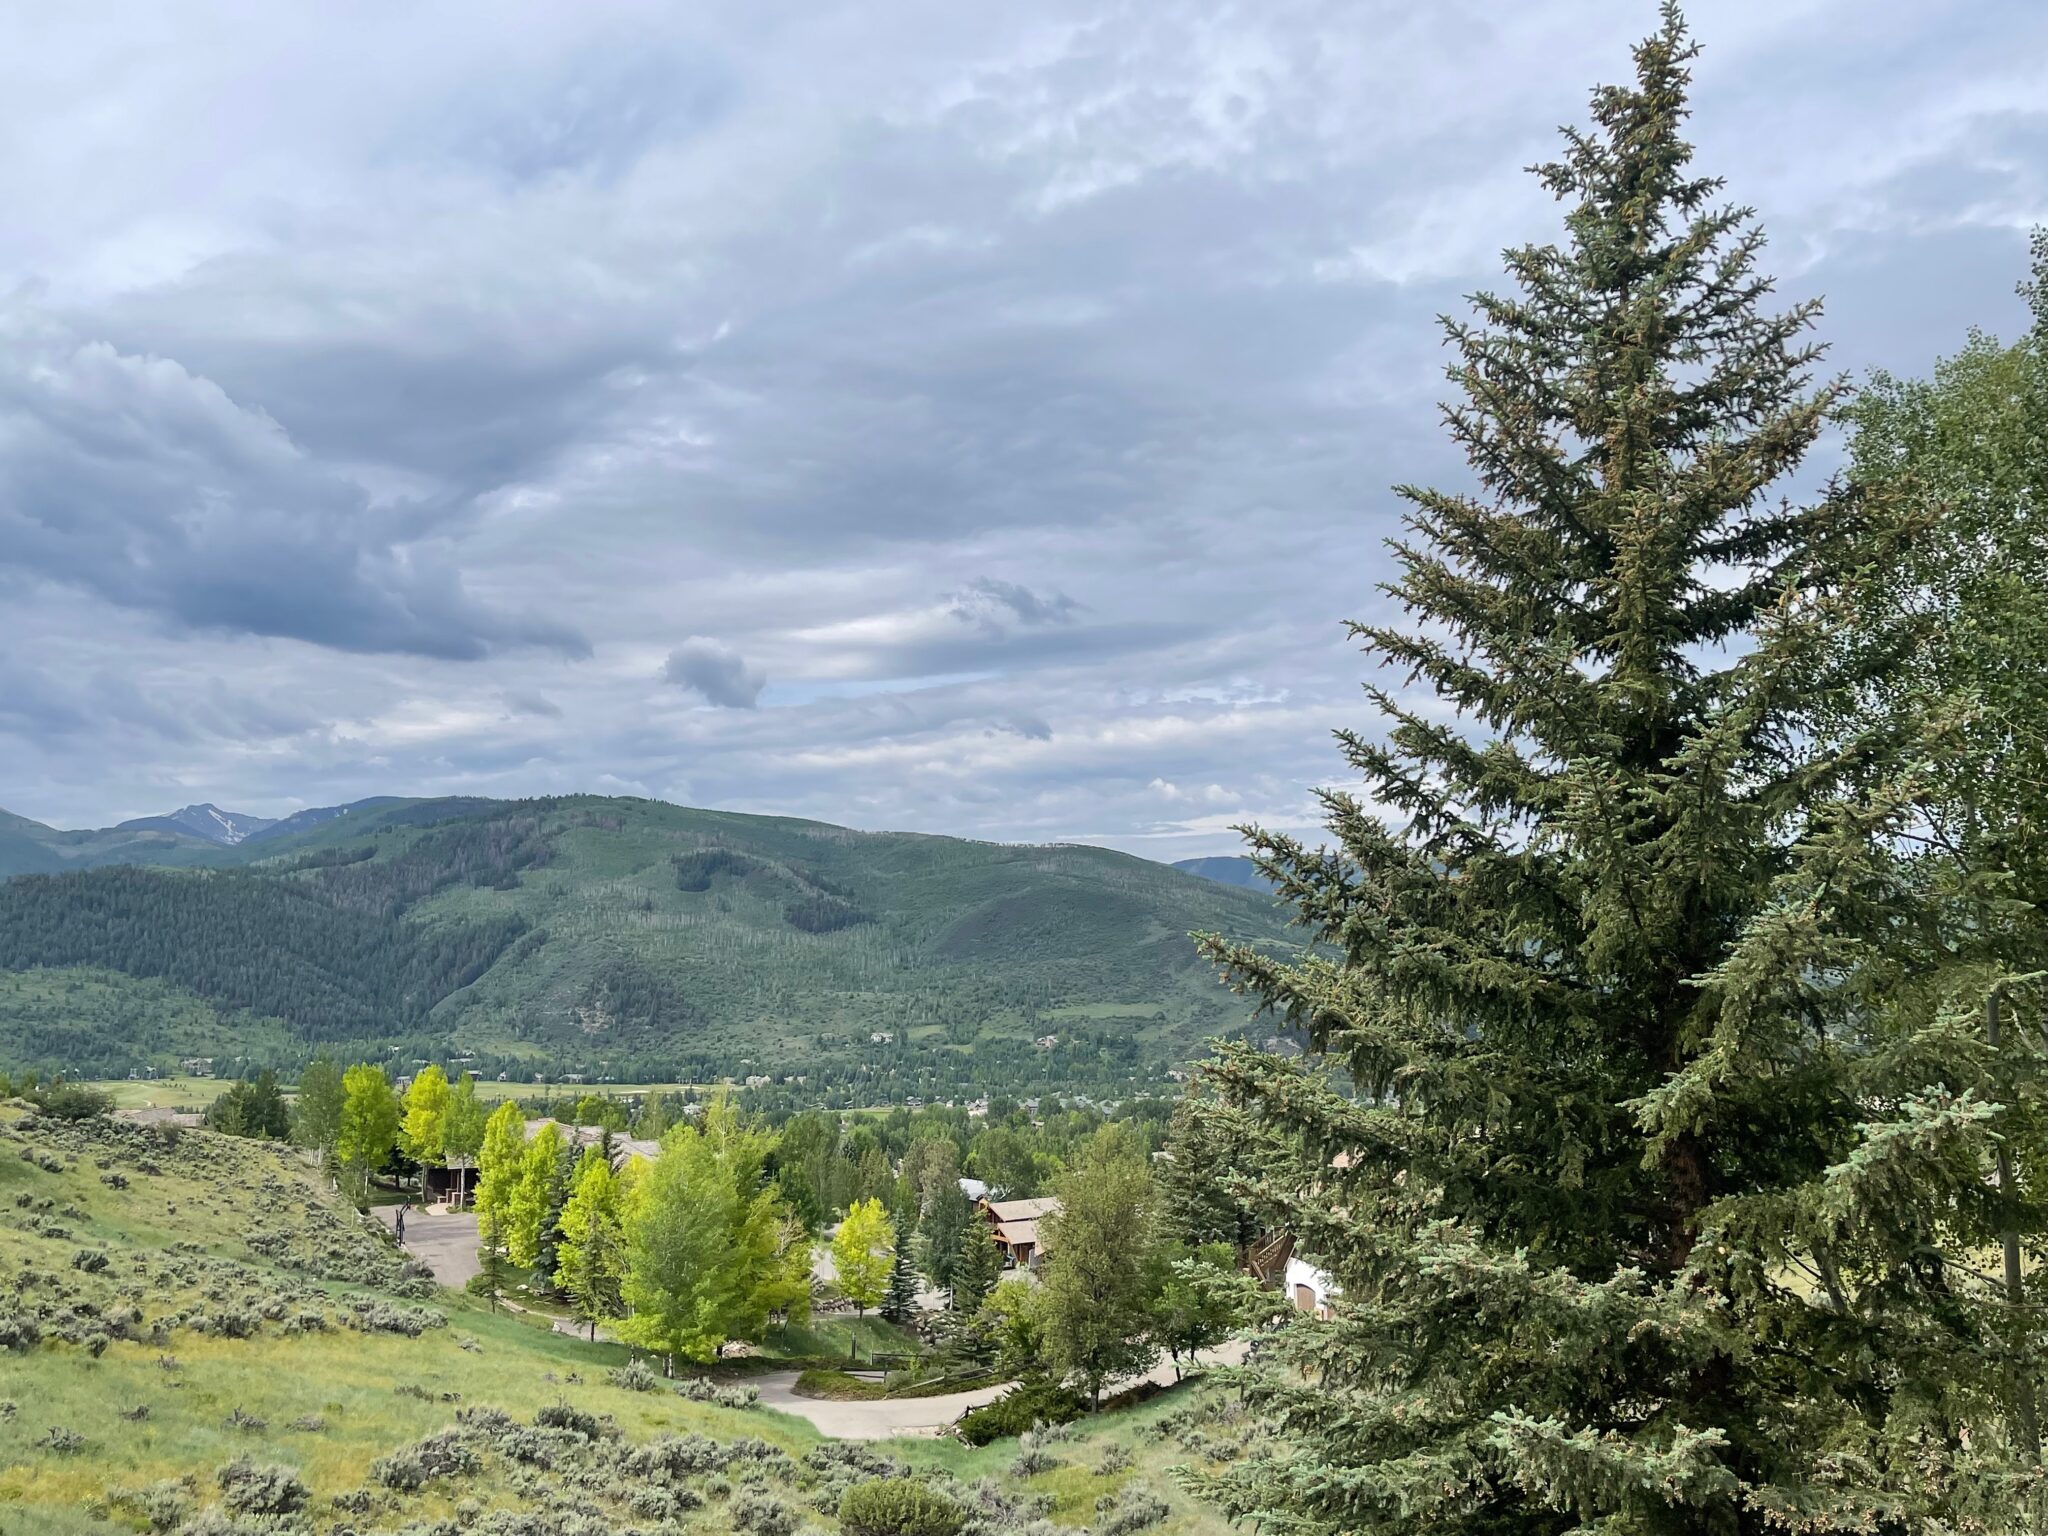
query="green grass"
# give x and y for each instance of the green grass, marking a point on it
(1076, 1484)
(369, 1392)
(838, 1337)
(177, 1092)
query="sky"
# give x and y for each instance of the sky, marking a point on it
(973, 419)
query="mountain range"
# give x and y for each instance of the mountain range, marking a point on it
(610, 937)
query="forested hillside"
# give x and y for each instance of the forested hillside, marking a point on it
(629, 939)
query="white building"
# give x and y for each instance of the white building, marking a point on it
(1309, 1288)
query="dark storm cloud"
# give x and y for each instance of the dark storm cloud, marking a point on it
(1012, 392)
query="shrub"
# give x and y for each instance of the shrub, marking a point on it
(245, 1421)
(1017, 1412)
(635, 1375)
(899, 1506)
(166, 1505)
(446, 1454)
(1137, 1508)
(1032, 1457)
(762, 1514)
(575, 1420)
(673, 1457)
(249, 1489)
(1115, 1459)
(72, 1101)
(61, 1441)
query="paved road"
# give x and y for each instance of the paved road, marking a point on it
(923, 1416)
(447, 1244)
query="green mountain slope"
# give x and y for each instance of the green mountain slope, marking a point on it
(632, 939)
(30, 848)
(1227, 869)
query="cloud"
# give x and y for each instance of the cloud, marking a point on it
(145, 485)
(522, 702)
(994, 606)
(716, 672)
(1017, 389)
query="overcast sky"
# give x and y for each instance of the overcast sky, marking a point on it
(960, 417)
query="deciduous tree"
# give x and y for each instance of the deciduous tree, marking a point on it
(423, 1132)
(1097, 1275)
(368, 1130)
(500, 1162)
(590, 1264)
(862, 1250)
(534, 1200)
(316, 1112)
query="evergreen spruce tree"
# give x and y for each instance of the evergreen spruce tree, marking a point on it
(979, 1268)
(1645, 1128)
(899, 1303)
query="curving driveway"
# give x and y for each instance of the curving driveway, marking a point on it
(872, 1419)
(446, 1244)
(890, 1418)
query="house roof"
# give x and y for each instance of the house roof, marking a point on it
(1016, 1221)
(1022, 1210)
(1017, 1234)
(624, 1148)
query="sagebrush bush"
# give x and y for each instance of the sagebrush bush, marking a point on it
(636, 1375)
(1032, 1457)
(446, 1454)
(249, 1489)
(560, 1415)
(899, 1506)
(165, 1505)
(1137, 1508)
(762, 1514)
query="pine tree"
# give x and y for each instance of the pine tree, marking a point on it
(942, 1231)
(1663, 1199)
(899, 1303)
(979, 1268)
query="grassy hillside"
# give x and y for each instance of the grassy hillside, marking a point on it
(636, 940)
(189, 1323)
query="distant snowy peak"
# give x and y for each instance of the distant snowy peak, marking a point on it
(209, 822)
